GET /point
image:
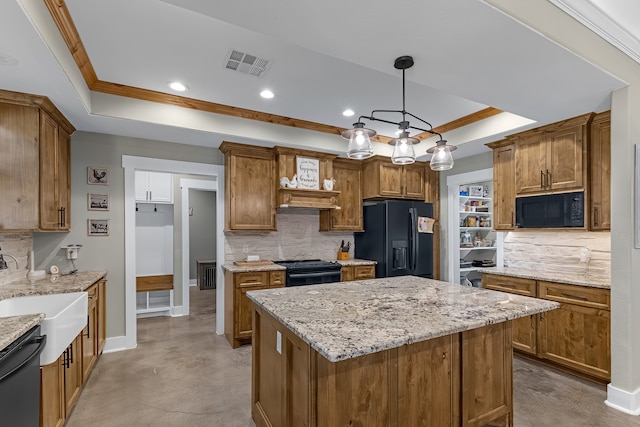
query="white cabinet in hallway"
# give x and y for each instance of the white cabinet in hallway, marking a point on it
(154, 187)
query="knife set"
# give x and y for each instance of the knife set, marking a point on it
(343, 251)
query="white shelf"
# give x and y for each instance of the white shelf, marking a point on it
(477, 213)
(476, 199)
(477, 228)
(478, 248)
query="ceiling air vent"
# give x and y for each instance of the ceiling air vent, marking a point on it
(246, 64)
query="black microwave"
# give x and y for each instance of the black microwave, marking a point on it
(550, 211)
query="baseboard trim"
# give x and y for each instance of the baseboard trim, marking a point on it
(115, 344)
(193, 282)
(624, 401)
(178, 310)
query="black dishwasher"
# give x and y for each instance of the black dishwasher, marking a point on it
(20, 380)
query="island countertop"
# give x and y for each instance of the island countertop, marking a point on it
(350, 319)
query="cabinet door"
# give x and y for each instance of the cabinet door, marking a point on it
(524, 329)
(64, 178)
(504, 195)
(73, 373)
(52, 403)
(142, 186)
(348, 178)
(565, 158)
(530, 155)
(90, 341)
(50, 210)
(413, 181)
(362, 272)
(600, 172)
(346, 273)
(102, 314)
(244, 312)
(277, 279)
(577, 337)
(160, 187)
(19, 165)
(391, 180)
(250, 192)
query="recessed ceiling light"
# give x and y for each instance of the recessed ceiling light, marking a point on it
(266, 94)
(180, 87)
(348, 112)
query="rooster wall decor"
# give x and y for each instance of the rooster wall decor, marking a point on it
(97, 175)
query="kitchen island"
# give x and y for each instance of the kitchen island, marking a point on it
(402, 351)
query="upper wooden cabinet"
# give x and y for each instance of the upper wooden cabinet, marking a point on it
(250, 190)
(504, 195)
(348, 176)
(600, 172)
(35, 142)
(552, 158)
(384, 180)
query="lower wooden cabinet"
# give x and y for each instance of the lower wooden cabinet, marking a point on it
(61, 382)
(576, 336)
(357, 272)
(238, 308)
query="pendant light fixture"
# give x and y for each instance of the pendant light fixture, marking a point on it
(403, 153)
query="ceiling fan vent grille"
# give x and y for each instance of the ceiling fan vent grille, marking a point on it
(246, 64)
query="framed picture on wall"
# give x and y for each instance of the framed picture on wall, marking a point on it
(97, 175)
(98, 227)
(97, 202)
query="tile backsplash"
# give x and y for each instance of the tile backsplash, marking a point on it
(19, 245)
(559, 251)
(297, 238)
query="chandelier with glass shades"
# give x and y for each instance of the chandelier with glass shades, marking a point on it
(403, 153)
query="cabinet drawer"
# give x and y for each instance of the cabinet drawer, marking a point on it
(277, 279)
(362, 272)
(513, 285)
(574, 294)
(251, 279)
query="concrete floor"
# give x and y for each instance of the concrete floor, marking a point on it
(182, 374)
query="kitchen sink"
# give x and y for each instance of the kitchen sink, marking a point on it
(65, 317)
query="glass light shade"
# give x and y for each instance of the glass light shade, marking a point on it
(442, 159)
(403, 152)
(359, 141)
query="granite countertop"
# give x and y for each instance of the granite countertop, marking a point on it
(230, 266)
(13, 327)
(552, 276)
(351, 319)
(356, 261)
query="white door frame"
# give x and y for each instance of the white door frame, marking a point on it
(130, 164)
(197, 184)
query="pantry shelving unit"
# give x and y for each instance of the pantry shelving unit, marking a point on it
(472, 237)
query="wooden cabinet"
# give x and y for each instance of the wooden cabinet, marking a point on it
(384, 180)
(61, 381)
(154, 187)
(55, 179)
(504, 194)
(238, 307)
(357, 272)
(35, 142)
(90, 333)
(552, 158)
(348, 176)
(524, 329)
(73, 373)
(250, 187)
(600, 172)
(432, 195)
(576, 337)
(52, 403)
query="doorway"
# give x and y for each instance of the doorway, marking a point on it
(216, 173)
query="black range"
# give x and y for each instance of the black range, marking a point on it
(310, 271)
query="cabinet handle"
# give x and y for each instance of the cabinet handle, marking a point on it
(595, 216)
(150, 195)
(71, 353)
(548, 179)
(542, 185)
(541, 317)
(88, 328)
(507, 285)
(513, 219)
(580, 297)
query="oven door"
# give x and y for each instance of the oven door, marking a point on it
(301, 278)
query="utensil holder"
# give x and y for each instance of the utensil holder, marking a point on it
(343, 255)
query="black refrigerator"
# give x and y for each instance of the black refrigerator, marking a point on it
(396, 235)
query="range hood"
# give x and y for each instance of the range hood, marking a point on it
(307, 198)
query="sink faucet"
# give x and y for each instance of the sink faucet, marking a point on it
(3, 263)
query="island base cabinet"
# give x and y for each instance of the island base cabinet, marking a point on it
(52, 401)
(463, 379)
